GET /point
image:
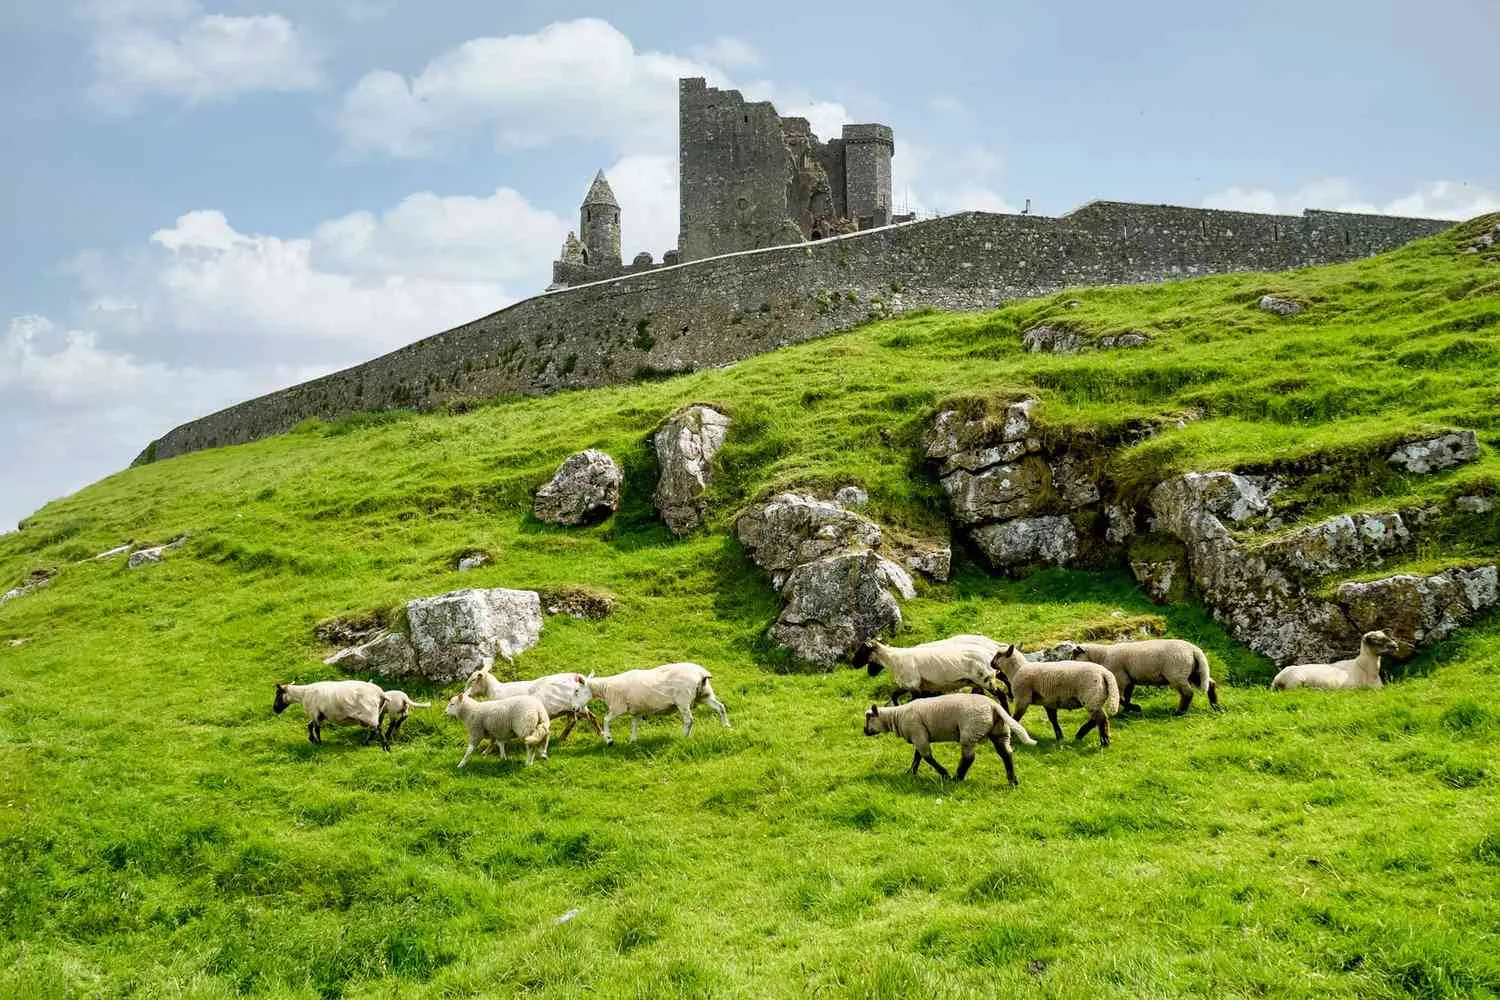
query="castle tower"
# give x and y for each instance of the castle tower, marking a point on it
(599, 224)
(867, 173)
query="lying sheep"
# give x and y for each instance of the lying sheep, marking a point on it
(1173, 663)
(521, 718)
(1361, 672)
(960, 661)
(1061, 684)
(964, 719)
(398, 706)
(345, 703)
(563, 694)
(638, 693)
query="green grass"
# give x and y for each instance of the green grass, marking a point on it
(162, 834)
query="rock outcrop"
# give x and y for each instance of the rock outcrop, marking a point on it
(1419, 609)
(35, 580)
(1024, 541)
(836, 602)
(584, 490)
(154, 554)
(1437, 453)
(389, 654)
(790, 530)
(459, 632)
(1066, 340)
(685, 448)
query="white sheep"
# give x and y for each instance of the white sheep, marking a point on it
(939, 667)
(964, 719)
(396, 705)
(1173, 663)
(1361, 672)
(1060, 685)
(345, 703)
(638, 693)
(563, 694)
(521, 718)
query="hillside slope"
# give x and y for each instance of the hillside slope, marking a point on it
(164, 834)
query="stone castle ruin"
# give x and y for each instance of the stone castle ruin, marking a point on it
(784, 238)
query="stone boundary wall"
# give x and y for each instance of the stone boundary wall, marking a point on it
(712, 312)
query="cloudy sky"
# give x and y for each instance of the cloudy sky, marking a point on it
(209, 199)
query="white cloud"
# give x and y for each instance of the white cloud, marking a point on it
(1436, 199)
(961, 180)
(572, 79)
(731, 53)
(646, 186)
(174, 49)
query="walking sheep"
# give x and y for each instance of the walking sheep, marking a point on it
(964, 719)
(1361, 672)
(1173, 663)
(940, 667)
(521, 718)
(1060, 685)
(657, 691)
(563, 694)
(344, 703)
(397, 706)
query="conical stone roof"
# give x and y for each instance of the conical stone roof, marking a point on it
(600, 193)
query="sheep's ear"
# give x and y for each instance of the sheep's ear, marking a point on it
(1007, 650)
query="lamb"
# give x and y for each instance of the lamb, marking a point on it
(521, 718)
(345, 703)
(563, 694)
(1062, 684)
(398, 706)
(939, 667)
(964, 719)
(1361, 672)
(1173, 663)
(638, 693)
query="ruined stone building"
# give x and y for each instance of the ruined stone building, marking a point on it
(748, 179)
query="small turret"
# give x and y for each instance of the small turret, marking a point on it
(599, 224)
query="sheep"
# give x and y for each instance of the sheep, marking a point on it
(346, 703)
(1173, 663)
(398, 706)
(521, 718)
(563, 694)
(1061, 684)
(1361, 672)
(938, 667)
(964, 719)
(638, 693)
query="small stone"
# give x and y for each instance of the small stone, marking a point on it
(472, 562)
(1474, 505)
(1119, 523)
(1053, 340)
(1435, 454)
(142, 557)
(584, 490)
(935, 562)
(851, 496)
(1279, 306)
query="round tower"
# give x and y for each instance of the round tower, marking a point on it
(599, 224)
(867, 173)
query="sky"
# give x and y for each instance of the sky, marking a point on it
(212, 199)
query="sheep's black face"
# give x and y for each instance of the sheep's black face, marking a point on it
(862, 659)
(281, 702)
(872, 722)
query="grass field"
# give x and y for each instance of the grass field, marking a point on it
(162, 834)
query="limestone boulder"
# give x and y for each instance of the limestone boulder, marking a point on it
(1474, 505)
(953, 432)
(1073, 479)
(685, 448)
(1026, 541)
(389, 654)
(459, 632)
(1279, 306)
(1339, 544)
(999, 492)
(584, 490)
(1435, 454)
(851, 496)
(154, 554)
(472, 561)
(1128, 339)
(1419, 609)
(1179, 503)
(790, 530)
(933, 560)
(837, 602)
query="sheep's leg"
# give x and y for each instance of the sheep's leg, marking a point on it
(1213, 696)
(312, 735)
(1126, 705)
(501, 745)
(687, 722)
(546, 742)
(1002, 747)
(1052, 718)
(1103, 730)
(608, 740)
(931, 760)
(916, 762)
(965, 761)
(385, 741)
(1184, 699)
(468, 752)
(395, 725)
(634, 724)
(572, 721)
(717, 705)
(1084, 729)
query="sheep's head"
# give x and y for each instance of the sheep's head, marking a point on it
(1379, 642)
(863, 657)
(1069, 650)
(282, 701)
(455, 702)
(1005, 662)
(478, 681)
(874, 724)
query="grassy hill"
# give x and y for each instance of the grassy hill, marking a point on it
(162, 834)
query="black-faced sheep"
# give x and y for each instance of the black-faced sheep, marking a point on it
(344, 703)
(939, 667)
(964, 719)
(1061, 685)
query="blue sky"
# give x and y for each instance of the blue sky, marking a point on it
(210, 200)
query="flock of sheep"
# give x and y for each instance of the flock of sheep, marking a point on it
(1100, 679)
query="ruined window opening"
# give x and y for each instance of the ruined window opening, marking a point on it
(588, 215)
(1202, 227)
(1346, 237)
(747, 119)
(1275, 231)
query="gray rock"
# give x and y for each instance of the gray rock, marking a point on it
(1000, 492)
(1025, 541)
(459, 632)
(1053, 340)
(979, 459)
(1279, 306)
(1339, 544)
(35, 580)
(951, 432)
(1119, 523)
(1157, 578)
(1130, 338)
(1074, 482)
(472, 562)
(1419, 609)
(1474, 505)
(585, 489)
(851, 496)
(389, 654)
(933, 560)
(1435, 454)
(837, 602)
(1178, 503)
(143, 557)
(685, 448)
(789, 530)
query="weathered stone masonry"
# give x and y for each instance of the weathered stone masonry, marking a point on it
(715, 311)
